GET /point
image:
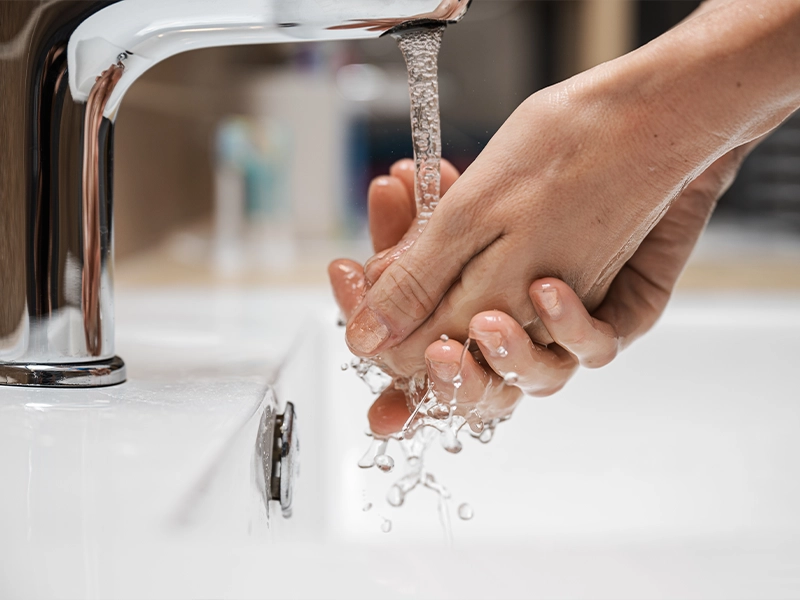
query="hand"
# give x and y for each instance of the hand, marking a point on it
(392, 212)
(572, 184)
(632, 306)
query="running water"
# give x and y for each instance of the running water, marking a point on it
(433, 415)
(420, 48)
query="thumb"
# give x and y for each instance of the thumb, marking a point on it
(347, 281)
(409, 290)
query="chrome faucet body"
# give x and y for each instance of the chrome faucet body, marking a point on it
(64, 68)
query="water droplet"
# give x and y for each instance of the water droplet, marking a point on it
(395, 496)
(510, 378)
(367, 506)
(376, 447)
(502, 352)
(386, 526)
(457, 381)
(476, 425)
(486, 435)
(444, 337)
(465, 512)
(384, 462)
(345, 366)
(450, 441)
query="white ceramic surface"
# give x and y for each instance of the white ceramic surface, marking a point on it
(672, 473)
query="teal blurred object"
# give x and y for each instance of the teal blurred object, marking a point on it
(258, 150)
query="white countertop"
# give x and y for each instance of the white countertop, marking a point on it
(671, 473)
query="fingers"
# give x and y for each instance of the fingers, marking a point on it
(388, 413)
(537, 370)
(409, 289)
(443, 360)
(391, 211)
(593, 342)
(348, 283)
(403, 171)
(479, 389)
(449, 176)
(640, 291)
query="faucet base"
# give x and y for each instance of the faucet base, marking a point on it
(78, 375)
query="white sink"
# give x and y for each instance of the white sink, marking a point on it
(672, 473)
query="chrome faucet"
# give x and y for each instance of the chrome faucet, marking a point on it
(64, 69)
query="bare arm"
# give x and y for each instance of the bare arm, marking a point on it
(582, 172)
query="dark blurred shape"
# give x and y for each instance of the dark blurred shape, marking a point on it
(657, 16)
(768, 185)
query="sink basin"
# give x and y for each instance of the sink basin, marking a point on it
(672, 473)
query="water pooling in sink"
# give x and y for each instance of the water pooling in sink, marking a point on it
(432, 414)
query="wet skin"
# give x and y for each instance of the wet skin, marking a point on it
(636, 298)
(580, 184)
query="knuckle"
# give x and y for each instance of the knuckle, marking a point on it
(405, 294)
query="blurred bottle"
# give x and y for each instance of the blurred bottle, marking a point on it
(253, 211)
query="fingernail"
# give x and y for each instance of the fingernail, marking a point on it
(445, 371)
(366, 332)
(547, 299)
(492, 340)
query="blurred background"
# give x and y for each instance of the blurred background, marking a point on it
(251, 164)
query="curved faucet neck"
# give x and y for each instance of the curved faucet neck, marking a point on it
(61, 87)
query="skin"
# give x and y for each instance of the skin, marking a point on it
(632, 306)
(576, 181)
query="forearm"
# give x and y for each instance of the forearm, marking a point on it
(719, 80)
(708, 5)
(734, 71)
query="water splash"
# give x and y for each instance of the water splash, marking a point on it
(371, 373)
(376, 448)
(433, 415)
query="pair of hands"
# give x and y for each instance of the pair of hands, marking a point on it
(510, 363)
(562, 242)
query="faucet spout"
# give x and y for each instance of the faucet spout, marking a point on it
(64, 69)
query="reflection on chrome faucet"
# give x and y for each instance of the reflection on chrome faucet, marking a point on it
(63, 76)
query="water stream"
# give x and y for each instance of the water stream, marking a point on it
(433, 416)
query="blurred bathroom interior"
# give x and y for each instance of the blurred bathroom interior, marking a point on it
(250, 164)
